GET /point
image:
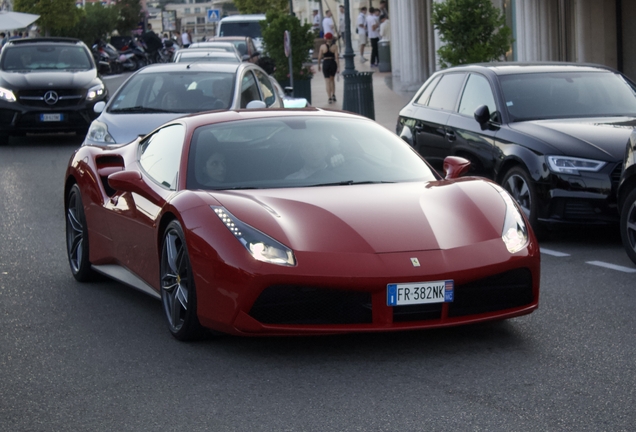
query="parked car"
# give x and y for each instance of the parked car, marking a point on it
(553, 135)
(213, 55)
(47, 85)
(244, 45)
(296, 222)
(242, 25)
(161, 92)
(627, 198)
(225, 46)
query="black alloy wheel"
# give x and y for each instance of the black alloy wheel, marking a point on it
(628, 225)
(178, 293)
(77, 236)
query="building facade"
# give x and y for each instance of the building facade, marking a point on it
(581, 31)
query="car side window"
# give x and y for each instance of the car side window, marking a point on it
(476, 93)
(160, 155)
(267, 89)
(423, 99)
(249, 89)
(445, 94)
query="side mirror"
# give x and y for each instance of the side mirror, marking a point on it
(482, 115)
(99, 107)
(455, 166)
(256, 104)
(131, 181)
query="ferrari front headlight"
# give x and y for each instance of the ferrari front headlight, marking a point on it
(515, 232)
(261, 246)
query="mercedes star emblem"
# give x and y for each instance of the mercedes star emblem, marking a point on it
(50, 97)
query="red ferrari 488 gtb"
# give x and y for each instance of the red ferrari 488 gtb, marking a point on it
(277, 222)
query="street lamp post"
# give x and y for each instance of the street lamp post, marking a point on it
(348, 55)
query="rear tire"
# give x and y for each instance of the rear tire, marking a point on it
(628, 225)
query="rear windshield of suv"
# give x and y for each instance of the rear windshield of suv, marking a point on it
(241, 28)
(45, 57)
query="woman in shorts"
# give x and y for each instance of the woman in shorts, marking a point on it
(330, 65)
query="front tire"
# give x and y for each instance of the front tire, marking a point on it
(77, 237)
(518, 183)
(178, 293)
(628, 225)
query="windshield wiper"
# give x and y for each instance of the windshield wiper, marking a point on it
(140, 109)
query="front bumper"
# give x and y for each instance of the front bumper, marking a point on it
(589, 198)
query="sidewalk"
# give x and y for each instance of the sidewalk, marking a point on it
(387, 102)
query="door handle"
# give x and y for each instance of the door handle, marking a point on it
(450, 135)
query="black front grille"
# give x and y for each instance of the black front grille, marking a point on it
(503, 291)
(66, 98)
(417, 312)
(309, 305)
(615, 176)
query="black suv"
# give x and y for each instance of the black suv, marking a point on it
(47, 85)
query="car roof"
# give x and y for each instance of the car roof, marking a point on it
(239, 18)
(508, 68)
(227, 38)
(192, 67)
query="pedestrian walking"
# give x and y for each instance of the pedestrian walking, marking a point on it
(185, 39)
(373, 31)
(361, 30)
(330, 65)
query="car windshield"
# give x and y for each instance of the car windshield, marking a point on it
(45, 57)
(242, 28)
(180, 92)
(300, 152)
(538, 96)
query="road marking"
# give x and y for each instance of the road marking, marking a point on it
(612, 266)
(553, 253)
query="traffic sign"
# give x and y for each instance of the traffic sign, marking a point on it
(214, 15)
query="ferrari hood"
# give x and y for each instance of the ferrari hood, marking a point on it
(373, 218)
(592, 138)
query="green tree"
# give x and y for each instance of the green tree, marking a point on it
(261, 6)
(302, 40)
(129, 16)
(57, 17)
(97, 22)
(474, 31)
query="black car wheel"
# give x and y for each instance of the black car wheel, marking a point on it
(517, 182)
(628, 225)
(77, 236)
(178, 294)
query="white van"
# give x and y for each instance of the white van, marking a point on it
(242, 25)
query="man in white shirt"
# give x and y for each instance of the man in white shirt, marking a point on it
(373, 29)
(327, 24)
(361, 29)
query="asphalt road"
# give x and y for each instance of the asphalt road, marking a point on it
(98, 357)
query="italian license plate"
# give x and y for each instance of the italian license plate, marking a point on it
(51, 117)
(419, 293)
